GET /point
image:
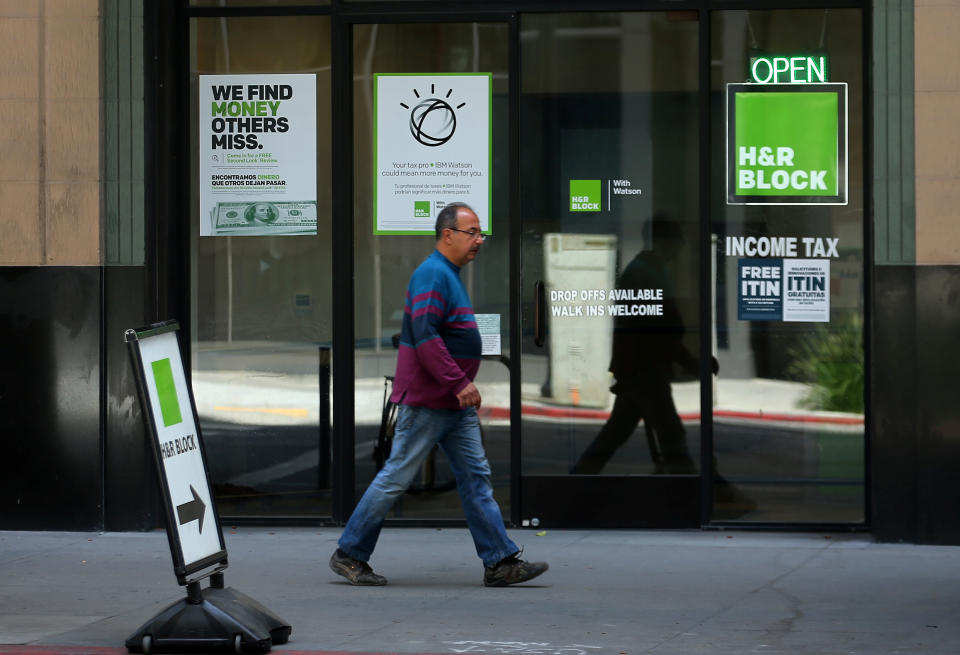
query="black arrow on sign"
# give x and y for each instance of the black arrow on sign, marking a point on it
(192, 510)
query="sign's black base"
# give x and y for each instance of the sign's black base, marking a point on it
(212, 620)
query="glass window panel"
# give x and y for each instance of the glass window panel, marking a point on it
(609, 107)
(261, 316)
(384, 263)
(788, 415)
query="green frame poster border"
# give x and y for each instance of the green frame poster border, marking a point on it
(376, 163)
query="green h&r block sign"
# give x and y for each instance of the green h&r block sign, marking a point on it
(786, 144)
(585, 195)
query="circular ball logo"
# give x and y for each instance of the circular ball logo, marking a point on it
(432, 122)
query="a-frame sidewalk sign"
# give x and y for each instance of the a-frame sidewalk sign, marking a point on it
(213, 618)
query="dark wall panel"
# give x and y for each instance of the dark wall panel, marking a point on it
(915, 444)
(582, 501)
(50, 473)
(131, 497)
(893, 438)
(938, 403)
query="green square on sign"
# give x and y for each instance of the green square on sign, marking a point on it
(166, 392)
(585, 195)
(421, 209)
(786, 144)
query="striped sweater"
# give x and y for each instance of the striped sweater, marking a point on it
(439, 342)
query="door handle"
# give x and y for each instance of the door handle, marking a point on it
(539, 326)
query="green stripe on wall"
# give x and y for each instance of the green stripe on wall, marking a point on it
(123, 132)
(894, 171)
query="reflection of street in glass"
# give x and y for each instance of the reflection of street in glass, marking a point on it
(258, 404)
(645, 347)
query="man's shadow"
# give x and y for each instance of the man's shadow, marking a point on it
(648, 342)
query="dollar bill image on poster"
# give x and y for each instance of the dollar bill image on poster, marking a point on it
(787, 144)
(806, 293)
(258, 154)
(431, 148)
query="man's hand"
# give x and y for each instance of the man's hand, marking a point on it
(469, 396)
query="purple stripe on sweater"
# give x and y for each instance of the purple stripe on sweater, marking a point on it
(429, 295)
(429, 309)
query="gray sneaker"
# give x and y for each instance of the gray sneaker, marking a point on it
(512, 570)
(356, 572)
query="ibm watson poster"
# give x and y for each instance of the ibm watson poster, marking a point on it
(258, 155)
(431, 148)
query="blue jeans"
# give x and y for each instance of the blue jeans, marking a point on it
(417, 430)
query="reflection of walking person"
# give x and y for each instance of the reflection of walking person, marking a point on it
(645, 348)
(438, 359)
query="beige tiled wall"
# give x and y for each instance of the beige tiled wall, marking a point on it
(50, 132)
(937, 80)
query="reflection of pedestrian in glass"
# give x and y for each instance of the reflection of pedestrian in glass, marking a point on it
(645, 348)
(262, 213)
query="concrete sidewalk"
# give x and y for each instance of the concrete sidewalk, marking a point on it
(607, 593)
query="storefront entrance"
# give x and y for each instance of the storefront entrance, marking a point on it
(610, 269)
(630, 380)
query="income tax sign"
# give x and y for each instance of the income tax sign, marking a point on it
(787, 144)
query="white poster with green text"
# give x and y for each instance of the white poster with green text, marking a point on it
(431, 148)
(787, 144)
(258, 155)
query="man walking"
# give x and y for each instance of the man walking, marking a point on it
(438, 359)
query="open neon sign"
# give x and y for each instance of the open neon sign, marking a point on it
(789, 69)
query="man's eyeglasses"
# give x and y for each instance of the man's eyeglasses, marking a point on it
(473, 234)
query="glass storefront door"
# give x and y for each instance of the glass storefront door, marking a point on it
(788, 411)
(610, 269)
(260, 316)
(434, 58)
